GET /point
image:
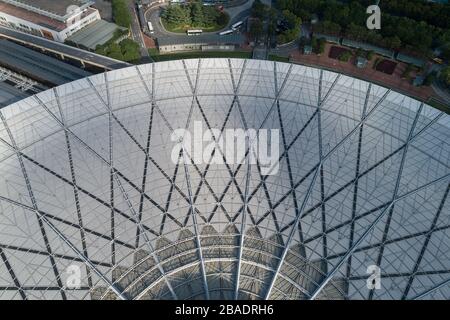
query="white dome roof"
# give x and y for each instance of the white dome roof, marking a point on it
(86, 180)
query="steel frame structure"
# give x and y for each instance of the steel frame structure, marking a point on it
(364, 179)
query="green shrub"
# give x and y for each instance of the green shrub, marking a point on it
(345, 56)
(445, 76)
(429, 79)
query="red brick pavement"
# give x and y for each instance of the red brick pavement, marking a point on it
(368, 73)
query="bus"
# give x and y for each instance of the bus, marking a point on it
(237, 25)
(226, 32)
(194, 32)
(150, 28)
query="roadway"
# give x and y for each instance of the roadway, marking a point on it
(153, 15)
(136, 29)
(63, 49)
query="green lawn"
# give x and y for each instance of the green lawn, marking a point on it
(438, 105)
(200, 54)
(274, 57)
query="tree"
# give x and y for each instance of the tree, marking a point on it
(314, 43)
(272, 25)
(328, 27)
(198, 19)
(194, 15)
(429, 79)
(321, 47)
(291, 19)
(115, 51)
(130, 50)
(356, 32)
(222, 19)
(121, 14)
(288, 36)
(256, 28)
(446, 53)
(393, 42)
(445, 76)
(177, 15)
(281, 38)
(258, 10)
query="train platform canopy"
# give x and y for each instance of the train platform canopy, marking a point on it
(38, 66)
(94, 34)
(10, 94)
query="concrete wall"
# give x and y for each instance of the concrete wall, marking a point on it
(196, 47)
(180, 47)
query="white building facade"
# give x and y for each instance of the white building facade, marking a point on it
(46, 24)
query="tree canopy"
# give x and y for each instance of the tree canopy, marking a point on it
(445, 76)
(256, 28)
(121, 14)
(414, 25)
(193, 14)
(126, 50)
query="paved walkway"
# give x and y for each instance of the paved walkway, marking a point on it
(393, 81)
(235, 11)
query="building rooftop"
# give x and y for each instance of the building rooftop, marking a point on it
(32, 17)
(54, 9)
(418, 62)
(94, 34)
(369, 47)
(327, 37)
(202, 39)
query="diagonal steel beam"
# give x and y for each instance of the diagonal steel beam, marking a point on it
(13, 275)
(317, 171)
(34, 204)
(75, 190)
(145, 235)
(387, 209)
(185, 155)
(246, 187)
(425, 244)
(431, 290)
(356, 183)
(397, 186)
